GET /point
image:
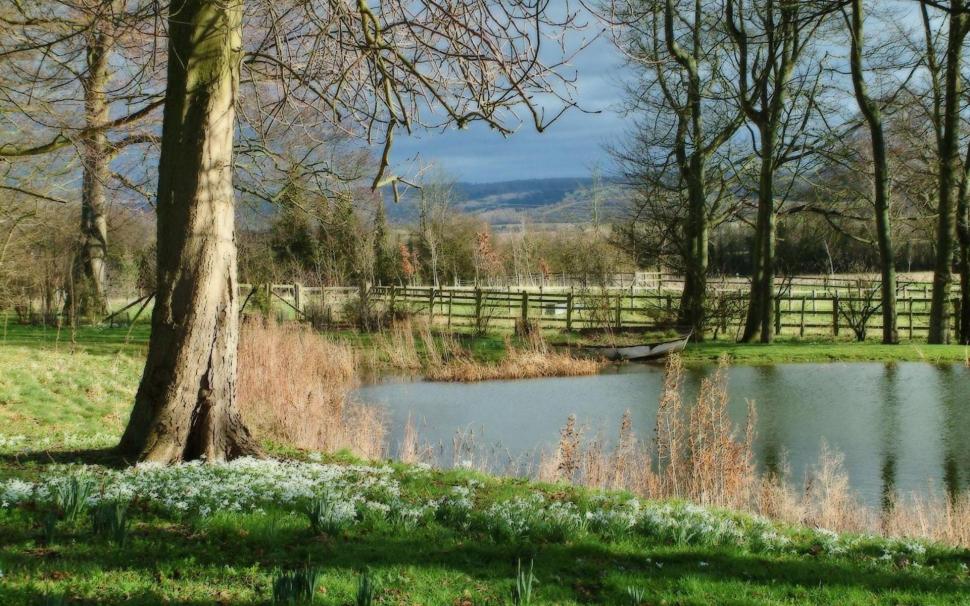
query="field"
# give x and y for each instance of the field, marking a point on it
(227, 534)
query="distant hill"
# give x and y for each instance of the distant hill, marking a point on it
(548, 201)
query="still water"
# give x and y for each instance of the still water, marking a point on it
(903, 425)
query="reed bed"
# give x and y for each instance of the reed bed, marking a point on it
(295, 386)
(410, 344)
(697, 454)
(532, 360)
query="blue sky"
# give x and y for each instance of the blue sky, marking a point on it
(569, 148)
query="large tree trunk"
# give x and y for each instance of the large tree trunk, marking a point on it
(693, 169)
(185, 407)
(873, 116)
(963, 231)
(949, 167)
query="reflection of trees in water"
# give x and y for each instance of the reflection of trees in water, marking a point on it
(955, 406)
(768, 439)
(889, 419)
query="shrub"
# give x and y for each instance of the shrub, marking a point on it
(522, 590)
(71, 497)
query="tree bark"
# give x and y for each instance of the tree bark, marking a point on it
(873, 115)
(693, 168)
(758, 323)
(963, 239)
(949, 166)
(185, 407)
(88, 291)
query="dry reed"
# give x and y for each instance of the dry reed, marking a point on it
(699, 455)
(532, 360)
(295, 386)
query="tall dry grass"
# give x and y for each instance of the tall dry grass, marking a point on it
(295, 385)
(410, 344)
(699, 455)
(533, 359)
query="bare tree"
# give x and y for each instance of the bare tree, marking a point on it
(944, 70)
(72, 96)
(872, 113)
(778, 83)
(379, 67)
(678, 50)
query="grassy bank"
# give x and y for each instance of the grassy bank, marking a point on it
(424, 537)
(226, 535)
(785, 351)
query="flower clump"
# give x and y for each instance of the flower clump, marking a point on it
(241, 486)
(336, 497)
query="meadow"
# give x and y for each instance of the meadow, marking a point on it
(327, 515)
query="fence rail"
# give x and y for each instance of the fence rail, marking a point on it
(658, 280)
(804, 314)
(804, 306)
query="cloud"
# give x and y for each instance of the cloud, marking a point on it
(569, 148)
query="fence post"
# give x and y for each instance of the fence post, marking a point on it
(451, 300)
(956, 321)
(619, 311)
(478, 308)
(835, 315)
(393, 296)
(778, 314)
(525, 309)
(910, 319)
(801, 327)
(569, 311)
(298, 297)
(431, 305)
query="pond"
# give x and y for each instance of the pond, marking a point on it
(902, 425)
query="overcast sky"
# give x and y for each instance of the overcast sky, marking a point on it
(569, 148)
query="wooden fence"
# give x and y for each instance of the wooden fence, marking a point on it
(661, 280)
(805, 313)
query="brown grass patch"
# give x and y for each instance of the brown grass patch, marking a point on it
(533, 360)
(295, 385)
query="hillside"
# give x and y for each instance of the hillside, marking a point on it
(545, 201)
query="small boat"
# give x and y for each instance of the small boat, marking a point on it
(646, 351)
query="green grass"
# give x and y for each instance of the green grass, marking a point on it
(792, 350)
(49, 386)
(233, 558)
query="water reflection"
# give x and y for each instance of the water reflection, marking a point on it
(889, 389)
(900, 426)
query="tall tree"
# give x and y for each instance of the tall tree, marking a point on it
(382, 65)
(677, 53)
(65, 56)
(872, 113)
(777, 86)
(963, 239)
(185, 406)
(62, 52)
(946, 88)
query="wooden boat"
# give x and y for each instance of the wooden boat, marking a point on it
(646, 351)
